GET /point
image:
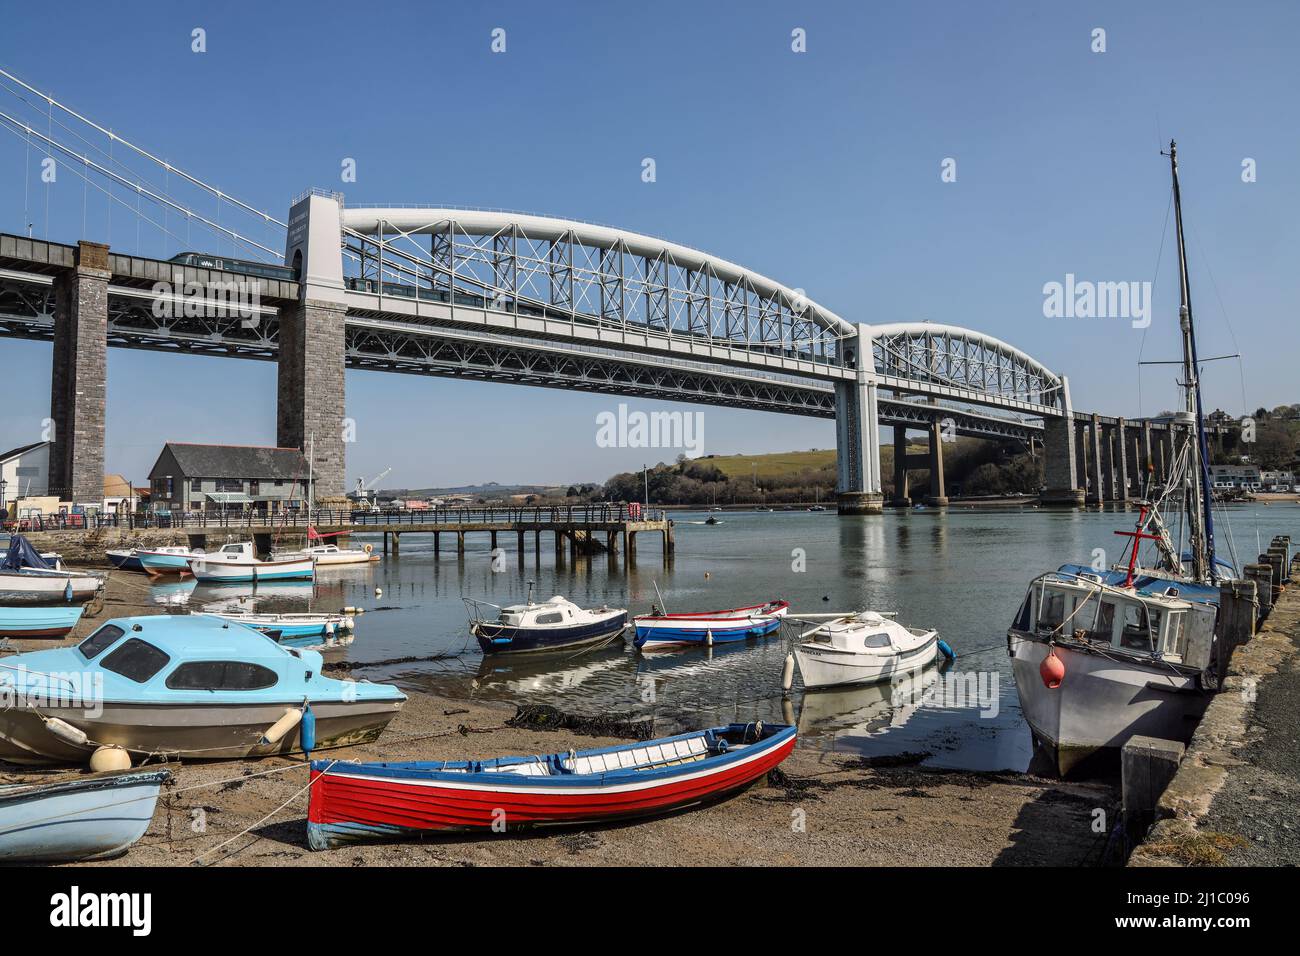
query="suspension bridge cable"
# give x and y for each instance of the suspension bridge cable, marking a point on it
(87, 161)
(143, 152)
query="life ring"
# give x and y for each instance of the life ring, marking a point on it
(368, 548)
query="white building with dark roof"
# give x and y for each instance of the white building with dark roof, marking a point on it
(25, 471)
(190, 477)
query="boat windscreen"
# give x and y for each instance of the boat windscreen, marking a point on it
(136, 660)
(100, 641)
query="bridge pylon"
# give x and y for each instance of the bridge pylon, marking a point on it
(310, 394)
(857, 435)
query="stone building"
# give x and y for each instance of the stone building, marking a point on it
(228, 478)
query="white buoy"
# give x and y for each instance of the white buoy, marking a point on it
(379, 592)
(275, 733)
(109, 758)
(708, 638)
(65, 731)
(354, 610)
(787, 673)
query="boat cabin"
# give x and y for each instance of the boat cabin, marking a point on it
(556, 612)
(233, 552)
(1083, 609)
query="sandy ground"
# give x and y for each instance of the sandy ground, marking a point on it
(821, 809)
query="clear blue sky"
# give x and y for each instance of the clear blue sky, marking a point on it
(819, 169)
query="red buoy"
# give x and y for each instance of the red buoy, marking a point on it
(1052, 670)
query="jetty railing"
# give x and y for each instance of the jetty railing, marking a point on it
(451, 518)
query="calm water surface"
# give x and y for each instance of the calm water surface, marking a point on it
(962, 572)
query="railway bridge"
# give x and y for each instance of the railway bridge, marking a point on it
(526, 299)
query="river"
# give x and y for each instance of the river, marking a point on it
(961, 571)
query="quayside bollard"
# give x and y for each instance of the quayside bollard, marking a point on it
(1147, 764)
(1236, 625)
(1262, 575)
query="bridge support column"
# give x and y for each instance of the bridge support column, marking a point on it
(1094, 462)
(937, 497)
(78, 378)
(310, 392)
(1108, 465)
(1122, 472)
(902, 498)
(1062, 471)
(857, 435)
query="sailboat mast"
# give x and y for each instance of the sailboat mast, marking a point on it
(1200, 517)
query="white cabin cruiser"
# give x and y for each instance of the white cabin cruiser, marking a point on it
(543, 626)
(862, 648)
(328, 555)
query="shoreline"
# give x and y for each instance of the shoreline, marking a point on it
(821, 808)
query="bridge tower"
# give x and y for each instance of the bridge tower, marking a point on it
(857, 434)
(1061, 473)
(310, 402)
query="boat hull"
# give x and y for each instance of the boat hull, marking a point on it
(161, 565)
(235, 572)
(499, 639)
(348, 804)
(198, 731)
(716, 627)
(17, 587)
(43, 622)
(82, 819)
(1081, 725)
(824, 666)
(125, 560)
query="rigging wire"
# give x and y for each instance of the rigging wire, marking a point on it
(1160, 254)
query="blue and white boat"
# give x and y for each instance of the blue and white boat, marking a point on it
(124, 559)
(237, 563)
(28, 578)
(316, 631)
(187, 686)
(26, 622)
(159, 562)
(546, 626)
(83, 818)
(656, 629)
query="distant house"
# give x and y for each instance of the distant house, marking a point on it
(25, 471)
(119, 496)
(228, 478)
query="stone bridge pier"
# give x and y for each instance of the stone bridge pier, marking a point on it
(857, 437)
(78, 377)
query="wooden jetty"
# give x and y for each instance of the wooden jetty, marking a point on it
(576, 530)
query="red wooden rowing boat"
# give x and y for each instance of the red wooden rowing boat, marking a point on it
(361, 802)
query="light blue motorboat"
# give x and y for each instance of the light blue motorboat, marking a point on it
(82, 818)
(158, 562)
(187, 686)
(51, 621)
(315, 631)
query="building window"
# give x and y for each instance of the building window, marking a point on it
(253, 487)
(196, 486)
(229, 484)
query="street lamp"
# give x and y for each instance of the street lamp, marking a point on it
(3, 485)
